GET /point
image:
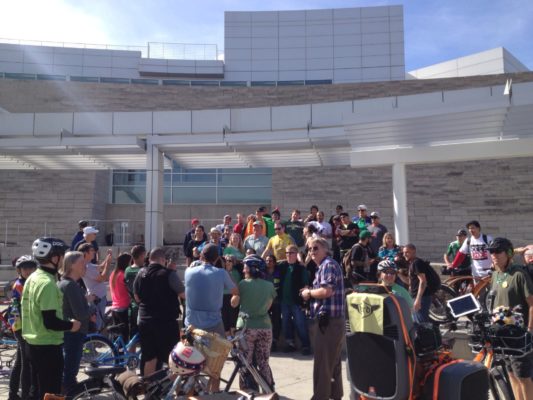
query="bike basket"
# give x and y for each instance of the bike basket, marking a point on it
(214, 348)
(508, 340)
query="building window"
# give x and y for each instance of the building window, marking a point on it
(198, 186)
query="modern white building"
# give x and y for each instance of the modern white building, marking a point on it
(308, 107)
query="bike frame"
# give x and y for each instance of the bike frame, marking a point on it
(122, 348)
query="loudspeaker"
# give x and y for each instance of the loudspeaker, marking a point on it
(378, 365)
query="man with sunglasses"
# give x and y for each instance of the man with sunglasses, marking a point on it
(512, 287)
(278, 243)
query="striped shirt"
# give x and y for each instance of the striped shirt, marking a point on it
(329, 274)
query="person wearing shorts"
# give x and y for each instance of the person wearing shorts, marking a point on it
(157, 290)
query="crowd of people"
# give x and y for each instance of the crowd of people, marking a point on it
(289, 276)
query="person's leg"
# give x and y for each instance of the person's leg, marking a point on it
(100, 313)
(275, 319)
(422, 315)
(15, 378)
(72, 348)
(262, 354)
(327, 380)
(148, 347)
(48, 363)
(28, 380)
(251, 338)
(121, 317)
(288, 332)
(301, 327)
(520, 374)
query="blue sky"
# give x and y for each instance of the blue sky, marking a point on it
(435, 30)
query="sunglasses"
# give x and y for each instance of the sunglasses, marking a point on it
(278, 228)
(314, 248)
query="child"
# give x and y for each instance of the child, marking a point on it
(21, 373)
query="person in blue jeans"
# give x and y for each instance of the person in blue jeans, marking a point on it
(293, 278)
(418, 284)
(75, 306)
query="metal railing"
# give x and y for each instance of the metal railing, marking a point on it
(160, 50)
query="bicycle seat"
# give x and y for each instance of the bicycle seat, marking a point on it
(100, 372)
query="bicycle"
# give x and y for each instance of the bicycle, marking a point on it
(102, 383)
(100, 350)
(492, 349)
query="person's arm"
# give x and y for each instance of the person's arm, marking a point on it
(53, 323)
(529, 300)
(235, 298)
(422, 284)
(102, 268)
(176, 284)
(268, 249)
(461, 254)
(322, 292)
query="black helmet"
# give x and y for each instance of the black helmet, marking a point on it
(256, 264)
(26, 262)
(45, 248)
(83, 223)
(499, 245)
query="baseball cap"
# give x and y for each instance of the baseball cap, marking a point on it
(374, 214)
(195, 221)
(227, 216)
(361, 207)
(461, 232)
(364, 235)
(90, 229)
(257, 223)
(529, 252)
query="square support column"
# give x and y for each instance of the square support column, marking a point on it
(399, 191)
(153, 228)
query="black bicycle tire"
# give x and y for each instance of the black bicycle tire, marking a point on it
(440, 318)
(499, 384)
(106, 342)
(91, 387)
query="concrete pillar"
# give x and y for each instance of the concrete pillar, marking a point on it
(153, 227)
(399, 191)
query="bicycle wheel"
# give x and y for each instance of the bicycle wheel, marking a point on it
(96, 390)
(98, 350)
(499, 384)
(438, 311)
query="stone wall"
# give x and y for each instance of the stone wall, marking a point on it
(43, 96)
(37, 203)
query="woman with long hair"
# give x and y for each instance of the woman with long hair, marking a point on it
(120, 294)
(235, 247)
(389, 250)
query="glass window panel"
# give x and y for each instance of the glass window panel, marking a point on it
(129, 178)
(129, 194)
(244, 195)
(244, 180)
(194, 179)
(245, 170)
(199, 170)
(194, 195)
(167, 179)
(166, 195)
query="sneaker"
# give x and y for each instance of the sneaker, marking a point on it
(289, 348)
(306, 351)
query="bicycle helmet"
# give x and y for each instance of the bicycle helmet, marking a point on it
(26, 261)
(45, 248)
(386, 264)
(256, 265)
(186, 360)
(499, 245)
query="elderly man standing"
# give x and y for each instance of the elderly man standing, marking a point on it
(257, 241)
(89, 236)
(327, 327)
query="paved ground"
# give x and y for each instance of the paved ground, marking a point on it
(293, 375)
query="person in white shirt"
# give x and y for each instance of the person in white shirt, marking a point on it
(477, 246)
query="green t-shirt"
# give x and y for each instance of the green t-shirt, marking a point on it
(235, 277)
(232, 251)
(256, 296)
(41, 294)
(130, 273)
(512, 288)
(452, 250)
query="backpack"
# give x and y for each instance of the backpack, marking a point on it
(483, 236)
(433, 279)
(347, 259)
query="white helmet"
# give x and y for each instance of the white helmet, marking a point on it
(185, 360)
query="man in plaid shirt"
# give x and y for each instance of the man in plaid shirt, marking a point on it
(327, 327)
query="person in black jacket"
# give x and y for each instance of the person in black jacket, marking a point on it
(156, 290)
(293, 278)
